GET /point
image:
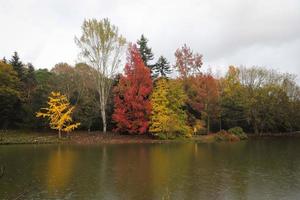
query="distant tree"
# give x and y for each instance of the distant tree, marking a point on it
(4, 60)
(30, 81)
(59, 113)
(17, 65)
(66, 80)
(146, 52)
(203, 98)
(232, 99)
(9, 96)
(101, 46)
(132, 105)
(162, 68)
(187, 62)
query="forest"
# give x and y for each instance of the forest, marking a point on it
(147, 95)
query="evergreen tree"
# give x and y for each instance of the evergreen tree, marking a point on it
(17, 65)
(4, 60)
(9, 97)
(30, 80)
(145, 51)
(162, 67)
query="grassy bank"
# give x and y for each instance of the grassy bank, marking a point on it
(29, 137)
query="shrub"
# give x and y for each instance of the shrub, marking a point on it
(238, 131)
(225, 136)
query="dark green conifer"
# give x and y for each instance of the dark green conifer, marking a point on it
(162, 68)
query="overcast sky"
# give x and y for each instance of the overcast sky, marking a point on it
(232, 32)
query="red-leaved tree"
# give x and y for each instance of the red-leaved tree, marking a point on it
(132, 104)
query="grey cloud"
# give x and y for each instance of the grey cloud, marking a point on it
(256, 32)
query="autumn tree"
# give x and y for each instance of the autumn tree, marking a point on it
(160, 115)
(102, 46)
(132, 104)
(146, 52)
(162, 68)
(187, 63)
(232, 95)
(59, 113)
(168, 119)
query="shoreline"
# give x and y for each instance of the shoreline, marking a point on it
(13, 137)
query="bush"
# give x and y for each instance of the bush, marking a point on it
(225, 136)
(238, 131)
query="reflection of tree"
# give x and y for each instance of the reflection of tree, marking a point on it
(131, 172)
(168, 164)
(60, 167)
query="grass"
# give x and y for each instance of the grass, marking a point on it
(79, 137)
(28, 137)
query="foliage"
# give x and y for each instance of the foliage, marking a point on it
(102, 47)
(168, 119)
(203, 97)
(187, 62)
(238, 131)
(161, 114)
(17, 65)
(132, 106)
(59, 113)
(162, 68)
(225, 136)
(9, 96)
(146, 52)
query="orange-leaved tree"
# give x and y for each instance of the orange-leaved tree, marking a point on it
(132, 104)
(59, 113)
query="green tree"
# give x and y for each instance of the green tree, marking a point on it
(17, 65)
(232, 100)
(9, 96)
(162, 68)
(146, 52)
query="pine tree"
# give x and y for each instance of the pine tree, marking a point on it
(132, 104)
(145, 51)
(162, 68)
(30, 81)
(17, 65)
(4, 60)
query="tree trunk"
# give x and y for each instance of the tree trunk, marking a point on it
(59, 133)
(103, 115)
(208, 124)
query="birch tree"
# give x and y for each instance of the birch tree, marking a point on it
(102, 47)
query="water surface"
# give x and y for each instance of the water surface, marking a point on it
(256, 169)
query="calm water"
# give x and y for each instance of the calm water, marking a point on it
(257, 169)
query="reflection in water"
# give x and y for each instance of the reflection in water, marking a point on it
(262, 169)
(60, 165)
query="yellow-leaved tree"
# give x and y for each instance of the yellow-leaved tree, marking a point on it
(168, 119)
(59, 113)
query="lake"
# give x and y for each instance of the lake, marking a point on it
(254, 169)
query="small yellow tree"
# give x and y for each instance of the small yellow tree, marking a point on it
(59, 113)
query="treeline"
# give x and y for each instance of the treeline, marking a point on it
(148, 97)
